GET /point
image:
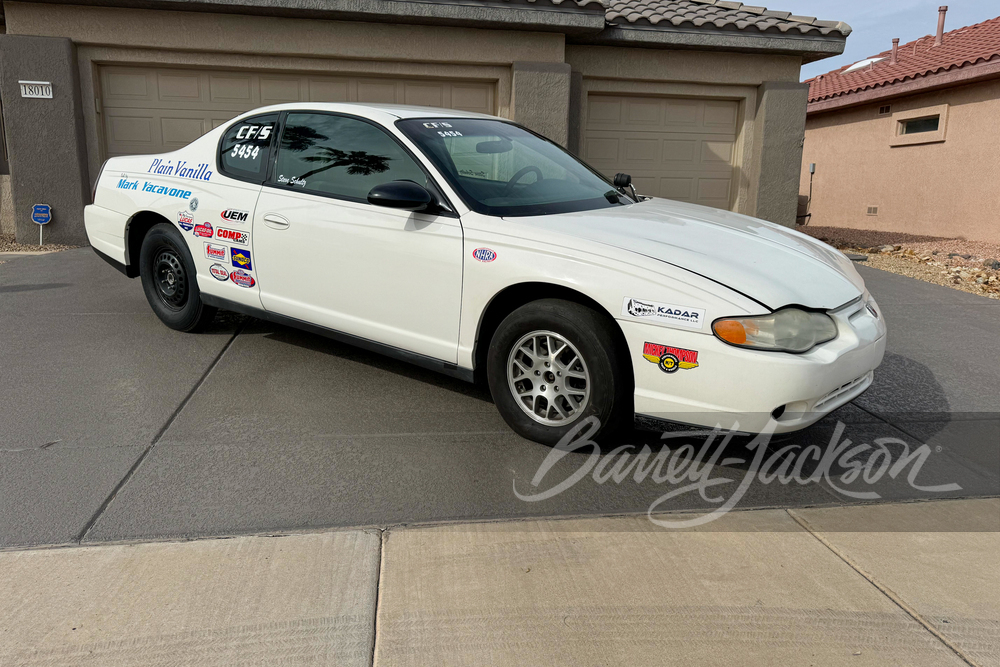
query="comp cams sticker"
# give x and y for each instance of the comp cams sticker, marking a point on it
(664, 313)
(232, 235)
(670, 359)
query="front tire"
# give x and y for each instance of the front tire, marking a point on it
(170, 282)
(553, 364)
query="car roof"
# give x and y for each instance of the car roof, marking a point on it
(373, 110)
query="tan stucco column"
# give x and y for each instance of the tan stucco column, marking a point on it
(540, 98)
(779, 129)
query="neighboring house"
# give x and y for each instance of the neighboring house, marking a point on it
(699, 100)
(908, 140)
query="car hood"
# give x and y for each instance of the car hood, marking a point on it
(766, 262)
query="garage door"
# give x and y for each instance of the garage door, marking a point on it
(148, 110)
(675, 148)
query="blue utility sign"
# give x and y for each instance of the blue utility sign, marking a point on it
(41, 214)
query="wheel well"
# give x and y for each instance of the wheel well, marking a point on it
(135, 231)
(515, 296)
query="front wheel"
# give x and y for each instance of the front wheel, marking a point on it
(554, 363)
(169, 280)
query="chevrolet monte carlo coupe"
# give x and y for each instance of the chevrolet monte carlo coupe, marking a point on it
(471, 245)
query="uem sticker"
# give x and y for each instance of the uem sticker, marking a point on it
(664, 313)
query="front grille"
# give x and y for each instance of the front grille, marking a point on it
(843, 389)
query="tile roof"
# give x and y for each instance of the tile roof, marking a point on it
(964, 47)
(719, 14)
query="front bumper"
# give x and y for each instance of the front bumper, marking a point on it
(742, 389)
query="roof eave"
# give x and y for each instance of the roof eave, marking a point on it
(922, 84)
(545, 16)
(809, 47)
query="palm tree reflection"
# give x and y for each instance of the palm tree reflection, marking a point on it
(298, 138)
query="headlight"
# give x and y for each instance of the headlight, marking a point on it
(787, 330)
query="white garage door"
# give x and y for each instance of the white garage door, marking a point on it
(676, 148)
(148, 110)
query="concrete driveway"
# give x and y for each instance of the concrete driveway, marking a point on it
(117, 428)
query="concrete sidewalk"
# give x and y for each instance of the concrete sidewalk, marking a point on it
(861, 585)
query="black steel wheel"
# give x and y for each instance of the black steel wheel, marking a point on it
(170, 282)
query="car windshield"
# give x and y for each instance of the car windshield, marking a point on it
(501, 169)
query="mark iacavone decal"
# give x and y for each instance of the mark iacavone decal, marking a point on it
(670, 359)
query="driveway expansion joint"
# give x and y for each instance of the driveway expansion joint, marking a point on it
(882, 588)
(163, 429)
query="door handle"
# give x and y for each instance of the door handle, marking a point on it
(275, 221)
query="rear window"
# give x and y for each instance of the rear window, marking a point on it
(245, 148)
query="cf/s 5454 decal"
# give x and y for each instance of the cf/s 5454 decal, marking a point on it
(664, 313)
(670, 359)
(232, 235)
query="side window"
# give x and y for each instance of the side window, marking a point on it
(245, 147)
(340, 156)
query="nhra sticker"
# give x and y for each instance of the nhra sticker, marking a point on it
(219, 272)
(213, 251)
(233, 215)
(185, 220)
(232, 235)
(664, 313)
(670, 359)
(204, 229)
(241, 258)
(242, 278)
(484, 254)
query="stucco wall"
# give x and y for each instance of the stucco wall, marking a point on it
(939, 189)
(6, 207)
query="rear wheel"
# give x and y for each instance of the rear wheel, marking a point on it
(169, 280)
(554, 363)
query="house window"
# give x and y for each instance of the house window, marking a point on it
(918, 125)
(872, 210)
(885, 111)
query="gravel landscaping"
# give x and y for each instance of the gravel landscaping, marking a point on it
(8, 244)
(971, 266)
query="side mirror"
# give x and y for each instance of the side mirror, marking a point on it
(403, 195)
(622, 180)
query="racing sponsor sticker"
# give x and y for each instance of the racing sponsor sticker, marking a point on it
(235, 215)
(214, 251)
(204, 229)
(186, 220)
(242, 278)
(484, 254)
(664, 313)
(670, 359)
(219, 272)
(193, 204)
(232, 235)
(241, 258)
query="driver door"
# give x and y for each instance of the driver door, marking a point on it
(326, 256)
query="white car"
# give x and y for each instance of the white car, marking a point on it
(468, 244)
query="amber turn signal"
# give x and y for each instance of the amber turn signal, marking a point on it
(731, 331)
